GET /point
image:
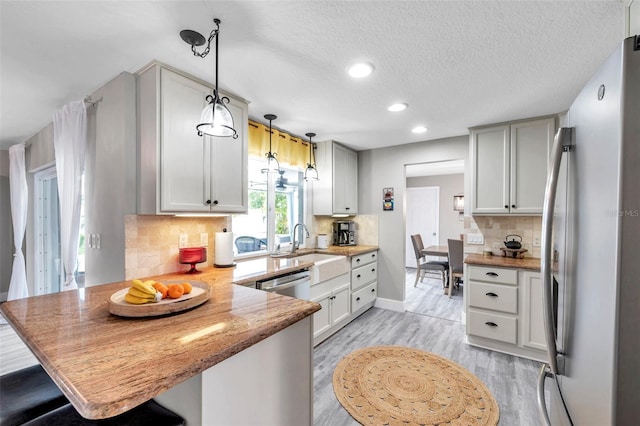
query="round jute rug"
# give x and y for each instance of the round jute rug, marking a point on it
(389, 385)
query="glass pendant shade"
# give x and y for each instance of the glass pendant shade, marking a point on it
(273, 166)
(311, 173)
(216, 119)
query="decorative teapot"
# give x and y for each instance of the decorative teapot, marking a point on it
(513, 244)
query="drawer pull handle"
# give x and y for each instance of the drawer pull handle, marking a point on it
(373, 290)
(491, 294)
(357, 299)
(373, 256)
(358, 260)
(491, 324)
(491, 274)
(373, 269)
(358, 276)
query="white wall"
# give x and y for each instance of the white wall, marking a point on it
(450, 224)
(385, 167)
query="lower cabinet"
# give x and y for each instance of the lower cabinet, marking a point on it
(504, 311)
(346, 296)
(334, 296)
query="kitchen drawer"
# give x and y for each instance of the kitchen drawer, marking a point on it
(363, 259)
(363, 275)
(493, 275)
(492, 326)
(363, 296)
(493, 296)
(328, 286)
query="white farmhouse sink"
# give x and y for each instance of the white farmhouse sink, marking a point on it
(325, 266)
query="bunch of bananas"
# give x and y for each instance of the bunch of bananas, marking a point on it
(142, 292)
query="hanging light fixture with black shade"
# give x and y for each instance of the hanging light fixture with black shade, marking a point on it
(216, 119)
(311, 173)
(273, 166)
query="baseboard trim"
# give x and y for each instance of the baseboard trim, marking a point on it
(392, 305)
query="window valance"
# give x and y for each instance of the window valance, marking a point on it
(291, 151)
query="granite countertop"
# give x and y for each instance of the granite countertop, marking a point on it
(342, 250)
(107, 365)
(528, 263)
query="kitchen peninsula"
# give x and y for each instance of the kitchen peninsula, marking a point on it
(204, 364)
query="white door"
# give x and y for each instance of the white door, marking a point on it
(423, 205)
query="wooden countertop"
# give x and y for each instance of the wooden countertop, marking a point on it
(529, 263)
(107, 365)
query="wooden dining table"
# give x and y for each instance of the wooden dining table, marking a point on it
(440, 251)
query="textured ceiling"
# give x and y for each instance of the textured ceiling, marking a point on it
(456, 63)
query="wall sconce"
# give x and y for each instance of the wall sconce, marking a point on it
(216, 119)
(458, 204)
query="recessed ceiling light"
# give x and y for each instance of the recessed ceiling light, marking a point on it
(397, 107)
(360, 70)
(419, 129)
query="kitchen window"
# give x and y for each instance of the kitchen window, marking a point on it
(275, 206)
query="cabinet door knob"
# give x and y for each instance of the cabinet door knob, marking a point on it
(491, 274)
(357, 260)
(357, 299)
(506, 206)
(513, 206)
(215, 202)
(373, 269)
(491, 294)
(373, 290)
(208, 202)
(491, 324)
(358, 276)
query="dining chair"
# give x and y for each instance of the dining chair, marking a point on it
(424, 267)
(456, 268)
(247, 243)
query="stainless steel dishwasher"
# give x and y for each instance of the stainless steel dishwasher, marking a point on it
(295, 284)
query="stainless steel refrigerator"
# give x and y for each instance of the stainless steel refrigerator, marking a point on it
(591, 253)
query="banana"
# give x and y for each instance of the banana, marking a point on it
(141, 294)
(144, 287)
(129, 298)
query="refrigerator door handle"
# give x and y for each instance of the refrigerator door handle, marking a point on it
(561, 143)
(542, 403)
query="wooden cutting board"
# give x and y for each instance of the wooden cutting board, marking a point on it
(199, 295)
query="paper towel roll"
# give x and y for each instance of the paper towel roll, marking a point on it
(223, 255)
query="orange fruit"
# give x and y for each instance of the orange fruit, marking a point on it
(187, 287)
(161, 288)
(175, 291)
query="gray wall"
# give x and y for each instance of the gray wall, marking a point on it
(385, 167)
(450, 224)
(6, 234)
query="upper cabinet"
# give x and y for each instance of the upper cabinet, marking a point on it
(336, 193)
(510, 167)
(181, 172)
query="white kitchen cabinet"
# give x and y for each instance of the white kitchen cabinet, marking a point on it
(333, 295)
(509, 167)
(504, 310)
(336, 191)
(181, 172)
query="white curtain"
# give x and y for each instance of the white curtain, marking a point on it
(69, 142)
(19, 195)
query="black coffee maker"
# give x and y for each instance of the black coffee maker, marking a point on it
(344, 233)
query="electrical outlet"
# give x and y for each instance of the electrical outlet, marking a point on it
(204, 239)
(477, 239)
(184, 241)
(536, 241)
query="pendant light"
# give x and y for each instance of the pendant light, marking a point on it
(273, 166)
(311, 173)
(216, 119)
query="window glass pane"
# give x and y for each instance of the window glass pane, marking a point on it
(251, 231)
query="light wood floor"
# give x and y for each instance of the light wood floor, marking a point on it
(512, 380)
(433, 325)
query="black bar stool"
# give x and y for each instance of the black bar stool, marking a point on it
(26, 394)
(149, 413)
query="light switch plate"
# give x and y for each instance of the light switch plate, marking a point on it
(183, 241)
(204, 239)
(536, 241)
(477, 239)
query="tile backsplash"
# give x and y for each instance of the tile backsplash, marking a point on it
(152, 242)
(495, 229)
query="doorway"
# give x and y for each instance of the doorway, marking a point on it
(422, 217)
(49, 271)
